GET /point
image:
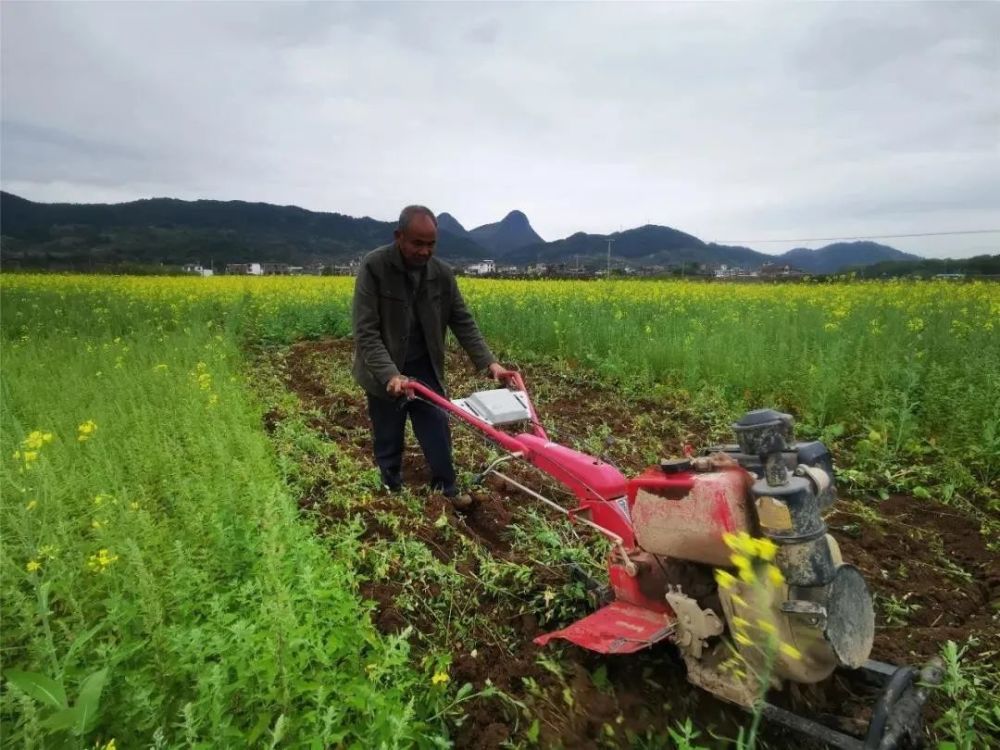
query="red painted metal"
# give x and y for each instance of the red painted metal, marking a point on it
(685, 515)
(536, 426)
(589, 478)
(504, 440)
(618, 628)
(599, 486)
(628, 588)
(674, 485)
(634, 620)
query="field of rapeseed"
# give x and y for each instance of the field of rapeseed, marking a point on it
(157, 581)
(903, 375)
(158, 586)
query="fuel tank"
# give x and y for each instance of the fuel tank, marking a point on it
(684, 515)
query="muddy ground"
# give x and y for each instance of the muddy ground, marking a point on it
(933, 576)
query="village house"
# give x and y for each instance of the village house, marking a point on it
(244, 269)
(198, 269)
(481, 268)
(733, 272)
(276, 269)
(784, 271)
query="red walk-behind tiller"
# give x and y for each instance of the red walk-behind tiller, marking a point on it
(668, 529)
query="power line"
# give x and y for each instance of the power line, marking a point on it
(868, 237)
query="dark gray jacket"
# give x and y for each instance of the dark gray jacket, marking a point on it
(381, 319)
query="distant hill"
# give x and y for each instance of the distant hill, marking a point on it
(980, 265)
(448, 223)
(511, 233)
(168, 230)
(171, 231)
(646, 245)
(839, 255)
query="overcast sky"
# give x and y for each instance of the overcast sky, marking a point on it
(733, 122)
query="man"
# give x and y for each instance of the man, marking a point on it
(404, 300)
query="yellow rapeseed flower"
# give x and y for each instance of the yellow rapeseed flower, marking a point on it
(767, 626)
(440, 678)
(36, 439)
(766, 549)
(100, 561)
(774, 575)
(790, 651)
(724, 579)
(32, 566)
(86, 430)
(741, 562)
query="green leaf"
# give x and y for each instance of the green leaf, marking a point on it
(88, 703)
(61, 720)
(80, 641)
(263, 722)
(533, 731)
(463, 691)
(600, 679)
(39, 687)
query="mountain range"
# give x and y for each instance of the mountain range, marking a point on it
(172, 231)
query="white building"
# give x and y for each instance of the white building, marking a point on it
(244, 269)
(199, 269)
(733, 272)
(481, 268)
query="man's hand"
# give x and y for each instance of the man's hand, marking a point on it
(499, 372)
(397, 385)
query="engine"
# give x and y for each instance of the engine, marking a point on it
(767, 485)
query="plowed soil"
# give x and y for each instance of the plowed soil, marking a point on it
(927, 564)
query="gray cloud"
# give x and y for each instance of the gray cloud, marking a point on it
(725, 120)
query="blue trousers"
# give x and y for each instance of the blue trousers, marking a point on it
(430, 425)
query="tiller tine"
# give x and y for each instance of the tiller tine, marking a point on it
(618, 628)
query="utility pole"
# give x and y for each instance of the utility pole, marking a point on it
(610, 242)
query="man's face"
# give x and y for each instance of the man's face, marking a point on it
(416, 244)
